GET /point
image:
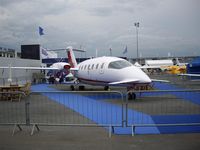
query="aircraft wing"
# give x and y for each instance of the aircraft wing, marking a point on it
(31, 68)
(156, 80)
(190, 75)
(73, 69)
(124, 81)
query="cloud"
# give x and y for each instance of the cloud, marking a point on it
(164, 25)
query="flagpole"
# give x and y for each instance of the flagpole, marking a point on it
(137, 26)
(110, 51)
(96, 52)
(126, 52)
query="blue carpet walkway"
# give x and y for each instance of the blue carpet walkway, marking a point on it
(97, 111)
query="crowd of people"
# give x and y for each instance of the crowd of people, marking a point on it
(58, 77)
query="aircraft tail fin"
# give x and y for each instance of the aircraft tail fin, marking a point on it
(71, 56)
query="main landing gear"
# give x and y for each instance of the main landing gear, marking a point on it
(72, 88)
(131, 95)
(80, 88)
(106, 88)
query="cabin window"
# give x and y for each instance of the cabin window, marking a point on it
(119, 64)
(88, 67)
(85, 67)
(97, 66)
(92, 66)
(102, 66)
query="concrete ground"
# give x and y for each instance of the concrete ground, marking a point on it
(95, 138)
(86, 138)
(178, 81)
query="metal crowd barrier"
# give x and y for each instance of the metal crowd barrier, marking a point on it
(163, 108)
(105, 109)
(92, 109)
(76, 109)
(12, 109)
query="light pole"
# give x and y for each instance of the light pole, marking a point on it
(137, 26)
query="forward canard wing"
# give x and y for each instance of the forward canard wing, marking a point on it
(190, 75)
(156, 80)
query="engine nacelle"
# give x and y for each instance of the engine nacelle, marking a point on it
(61, 65)
(67, 67)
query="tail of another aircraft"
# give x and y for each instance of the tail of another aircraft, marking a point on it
(177, 62)
(71, 57)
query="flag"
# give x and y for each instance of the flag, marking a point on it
(47, 54)
(41, 31)
(44, 52)
(125, 50)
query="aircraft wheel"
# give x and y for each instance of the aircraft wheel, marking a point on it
(106, 88)
(72, 88)
(81, 88)
(134, 96)
(131, 96)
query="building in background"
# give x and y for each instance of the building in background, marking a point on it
(8, 52)
(29, 57)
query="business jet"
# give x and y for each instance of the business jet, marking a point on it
(108, 71)
(168, 66)
(59, 66)
(104, 71)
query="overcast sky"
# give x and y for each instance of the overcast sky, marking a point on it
(166, 26)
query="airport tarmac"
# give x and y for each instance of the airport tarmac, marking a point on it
(89, 138)
(179, 81)
(57, 137)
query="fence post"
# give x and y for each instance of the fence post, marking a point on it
(126, 109)
(27, 112)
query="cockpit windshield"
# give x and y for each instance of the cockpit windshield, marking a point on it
(119, 64)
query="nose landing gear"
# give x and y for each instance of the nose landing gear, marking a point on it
(106, 88)
(131, 96)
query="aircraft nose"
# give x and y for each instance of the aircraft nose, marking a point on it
(136, 73)
(144, 78)
(147, 79)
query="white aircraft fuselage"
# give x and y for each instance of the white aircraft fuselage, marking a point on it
(110, 71)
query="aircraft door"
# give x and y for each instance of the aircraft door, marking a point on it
(102, 67)
(89, 71)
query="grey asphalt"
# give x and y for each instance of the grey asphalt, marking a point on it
(92, 138)
(89, 138)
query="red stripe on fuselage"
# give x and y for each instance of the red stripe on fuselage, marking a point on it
(94, 81)
(89, 81)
